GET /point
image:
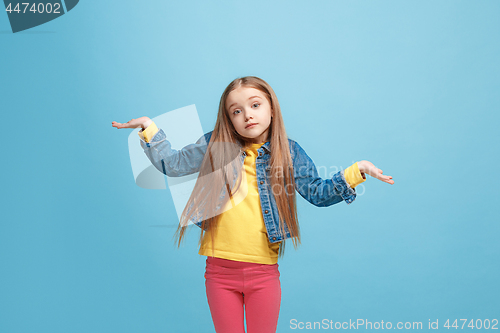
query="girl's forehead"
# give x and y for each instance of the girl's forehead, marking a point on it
(245, 91)
(241, 94)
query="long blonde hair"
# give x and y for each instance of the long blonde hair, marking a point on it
(221, 166)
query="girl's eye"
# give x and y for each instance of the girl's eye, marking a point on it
(234, 112)
(255, 104)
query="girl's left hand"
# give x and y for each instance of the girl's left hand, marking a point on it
(372, 170)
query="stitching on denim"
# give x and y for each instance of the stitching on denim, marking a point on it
(341, 185)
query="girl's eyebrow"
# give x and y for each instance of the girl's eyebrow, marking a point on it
(230, 106)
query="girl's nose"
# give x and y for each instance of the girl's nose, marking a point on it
(248, 115)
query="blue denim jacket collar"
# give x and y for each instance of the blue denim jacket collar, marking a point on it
(267, 146)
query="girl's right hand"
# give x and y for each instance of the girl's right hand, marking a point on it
(143, 122)
(370, 169)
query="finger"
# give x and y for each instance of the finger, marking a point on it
(377, 173)
(390, 181)
(384, 178)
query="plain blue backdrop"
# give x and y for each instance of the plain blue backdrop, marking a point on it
(412, 86)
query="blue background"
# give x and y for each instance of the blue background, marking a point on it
(412, 86)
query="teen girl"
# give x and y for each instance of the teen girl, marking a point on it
(244, 199)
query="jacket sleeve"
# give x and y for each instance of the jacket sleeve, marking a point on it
(172, 162)
(318, 191)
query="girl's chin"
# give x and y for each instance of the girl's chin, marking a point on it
(250, 135)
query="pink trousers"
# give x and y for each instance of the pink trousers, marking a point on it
(235, 288)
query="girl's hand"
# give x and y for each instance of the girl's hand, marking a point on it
(372, 170)
(143, 122)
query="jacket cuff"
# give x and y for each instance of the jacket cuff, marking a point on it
(353, 176)
(346, 192)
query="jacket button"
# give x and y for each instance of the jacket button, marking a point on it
(266, 211)
(274, 238)
(261, 182)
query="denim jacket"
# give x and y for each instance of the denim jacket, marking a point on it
(319, 192)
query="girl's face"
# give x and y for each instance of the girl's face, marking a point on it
(250, 113)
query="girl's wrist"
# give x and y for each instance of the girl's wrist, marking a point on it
(145, 124)
(361, 166)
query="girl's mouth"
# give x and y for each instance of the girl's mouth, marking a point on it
(250, 126)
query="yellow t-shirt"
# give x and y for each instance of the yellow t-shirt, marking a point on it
(242, 234)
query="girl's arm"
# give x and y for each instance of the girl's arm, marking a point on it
(326, 192)
(171, 162)
(318, 191)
